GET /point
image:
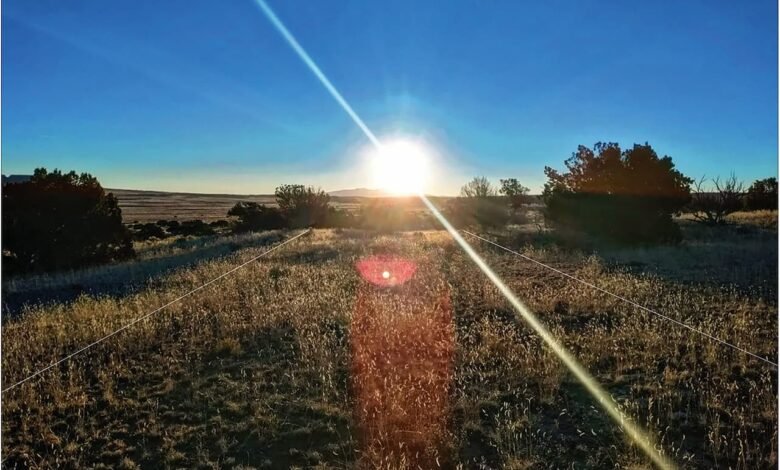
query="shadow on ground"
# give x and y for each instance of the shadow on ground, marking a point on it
(743, 256)
(120, 279)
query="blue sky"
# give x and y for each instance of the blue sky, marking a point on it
(206, 96)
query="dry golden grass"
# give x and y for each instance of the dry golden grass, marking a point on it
(764, 218)
(402, 362)
(280, 365)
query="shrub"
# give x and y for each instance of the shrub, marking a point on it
(762, 195)
(253, 217)
(517, 196)
(478, 206)
(389, 215)
(337, 218)
(61, 221)
(171, 225)
(479, 187)
(196, 228)
(626, 196)
(712, 207)
(302, 206)
(515, 192)
(482, 212)
(147, 231)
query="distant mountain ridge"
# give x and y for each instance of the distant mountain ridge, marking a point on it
(361, 192)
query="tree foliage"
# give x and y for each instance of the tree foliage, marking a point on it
(60, 221)
(762, 194)
(627, 196)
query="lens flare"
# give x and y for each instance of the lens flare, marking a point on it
(636, 434)
(403, 348)
(386, 270)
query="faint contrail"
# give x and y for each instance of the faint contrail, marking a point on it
(637, 435)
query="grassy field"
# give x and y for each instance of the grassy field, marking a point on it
(298, 361)
(153, 259)
(151, 206)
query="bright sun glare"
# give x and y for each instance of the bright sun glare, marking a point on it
(400, 167)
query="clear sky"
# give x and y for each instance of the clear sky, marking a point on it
(205, 96)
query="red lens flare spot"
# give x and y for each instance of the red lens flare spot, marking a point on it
(386, 270)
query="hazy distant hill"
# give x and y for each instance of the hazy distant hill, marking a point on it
(16, 178)
(360, 192)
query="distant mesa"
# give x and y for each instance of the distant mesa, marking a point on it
(15, 179)
(361, 192)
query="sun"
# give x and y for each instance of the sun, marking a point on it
(400, 167)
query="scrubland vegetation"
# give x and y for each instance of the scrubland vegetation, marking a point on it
(307, 358)
(281, 365)
(59, 221)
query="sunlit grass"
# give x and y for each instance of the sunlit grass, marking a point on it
(259, 370)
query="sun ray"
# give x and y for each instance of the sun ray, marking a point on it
(636, 434)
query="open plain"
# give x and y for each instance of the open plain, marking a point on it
(299, 360)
